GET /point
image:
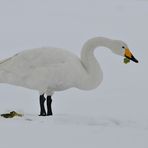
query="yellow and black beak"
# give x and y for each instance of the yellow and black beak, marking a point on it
(129, 55)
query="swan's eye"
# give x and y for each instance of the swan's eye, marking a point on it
(123, 47)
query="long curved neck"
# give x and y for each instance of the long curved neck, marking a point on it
(90, 63)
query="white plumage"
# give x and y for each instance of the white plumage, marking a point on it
(42, 69)
(52, 69)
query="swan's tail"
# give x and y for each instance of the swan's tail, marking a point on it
(2, 71)
(4, 60)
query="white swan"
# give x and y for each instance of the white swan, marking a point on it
(52, 69)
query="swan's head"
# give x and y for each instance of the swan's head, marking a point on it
(121, 48)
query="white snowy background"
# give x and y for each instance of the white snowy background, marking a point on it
(115, 114)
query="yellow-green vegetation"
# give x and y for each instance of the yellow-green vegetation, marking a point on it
(126, 60)
(11, 114)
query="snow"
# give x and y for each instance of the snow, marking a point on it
(113, 115)
(71, 131)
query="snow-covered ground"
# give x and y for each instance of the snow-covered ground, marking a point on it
(115, 114)
(72, 131)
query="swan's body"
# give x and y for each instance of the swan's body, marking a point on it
(52, 69)
(47, 69)
(42, 69)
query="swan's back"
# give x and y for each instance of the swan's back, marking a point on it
(42, 67)
(38, 57)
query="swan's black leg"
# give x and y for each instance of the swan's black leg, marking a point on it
(49, 109)
(42, 108)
